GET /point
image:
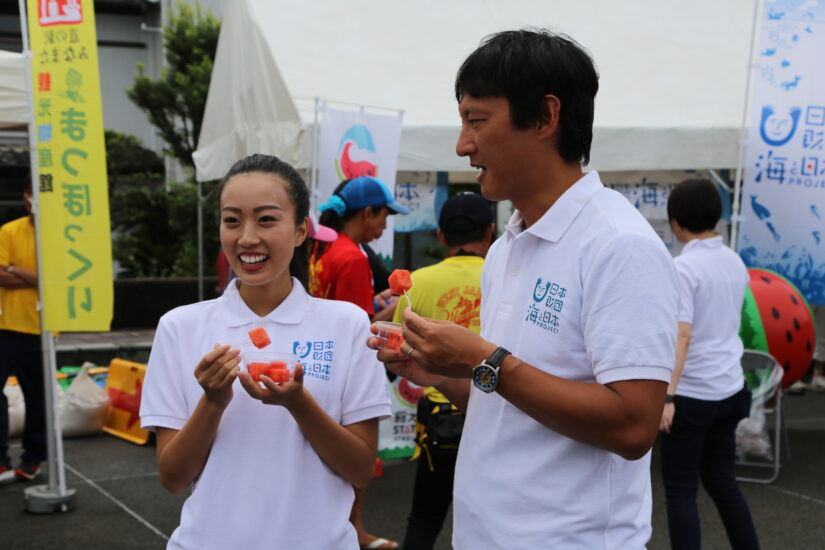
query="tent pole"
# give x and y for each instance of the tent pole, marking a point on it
(53, 497)
(315, 154)
(735, 216)
(200, 240)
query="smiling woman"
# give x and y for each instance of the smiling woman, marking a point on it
(321, 427)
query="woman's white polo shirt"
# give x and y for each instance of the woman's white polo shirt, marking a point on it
(263, 486)
(712, 283)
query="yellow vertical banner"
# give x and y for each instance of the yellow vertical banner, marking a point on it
(75, 240)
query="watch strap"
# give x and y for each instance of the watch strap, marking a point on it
(497, 357)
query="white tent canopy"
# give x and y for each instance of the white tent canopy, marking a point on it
(14, 105)
(672, 75)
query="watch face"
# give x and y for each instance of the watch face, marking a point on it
(485, 378)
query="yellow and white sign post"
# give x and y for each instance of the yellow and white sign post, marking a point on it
(71, 202)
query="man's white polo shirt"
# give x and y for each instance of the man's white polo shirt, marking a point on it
(587, 293)
(263, 485)
(712, 283)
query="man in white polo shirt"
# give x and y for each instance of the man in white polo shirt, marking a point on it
(565, 386)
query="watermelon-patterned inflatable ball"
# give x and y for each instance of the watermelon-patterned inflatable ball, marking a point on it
(776, 319)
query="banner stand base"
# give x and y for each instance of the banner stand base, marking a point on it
(40, 499)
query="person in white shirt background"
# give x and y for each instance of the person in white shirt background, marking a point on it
(707, 396)
(565, 386)
(269, 467)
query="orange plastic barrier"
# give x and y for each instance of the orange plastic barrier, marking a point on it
(124, 386)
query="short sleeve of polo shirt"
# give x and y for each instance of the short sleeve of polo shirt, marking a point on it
(163, 402)
(687, 290)
(629, 310)
(366, 394)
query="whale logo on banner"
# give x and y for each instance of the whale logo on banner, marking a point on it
(357, 142)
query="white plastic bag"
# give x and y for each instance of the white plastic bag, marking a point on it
(752, 433)
(17, 409)
(83, 405)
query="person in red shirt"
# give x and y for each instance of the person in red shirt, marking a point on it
(358, 211)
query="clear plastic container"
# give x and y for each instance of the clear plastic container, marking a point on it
(279, 367)
(389, 335)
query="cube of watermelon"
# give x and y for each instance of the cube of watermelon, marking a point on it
(394, 341)
(400, 281)
(256, 370)
(259, 337)
(278, 375)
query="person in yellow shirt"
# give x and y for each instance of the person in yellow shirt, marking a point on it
(449, 290)
(20, 350)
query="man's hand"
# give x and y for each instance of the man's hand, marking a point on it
(443, 347)
(384, 299)
(397, 363)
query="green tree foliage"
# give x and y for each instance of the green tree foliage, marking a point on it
(156, 224)
(154, 231)
(175, 102)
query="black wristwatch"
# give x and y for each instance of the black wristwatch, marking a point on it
(485, 375)
(669, 398)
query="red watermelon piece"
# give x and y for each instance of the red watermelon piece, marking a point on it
(400, 281)
(787, 322)
(394, 341)
(257, 369)
(259, 337)
(278, 375)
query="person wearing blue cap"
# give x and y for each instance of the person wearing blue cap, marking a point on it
(358, 211)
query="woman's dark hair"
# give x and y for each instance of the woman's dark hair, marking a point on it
(695, 205)
(297, 191)
(526, 65)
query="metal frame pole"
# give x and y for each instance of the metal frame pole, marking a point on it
(735, 217)
(54, 497)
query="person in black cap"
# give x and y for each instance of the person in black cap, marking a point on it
(449, 290)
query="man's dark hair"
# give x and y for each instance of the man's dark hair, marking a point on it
(526, 65)
(461, 231)
(695, 205)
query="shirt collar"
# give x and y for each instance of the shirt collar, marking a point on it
(712, 242)
(236, 313)
(558, 218)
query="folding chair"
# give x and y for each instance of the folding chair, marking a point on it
(763, 375)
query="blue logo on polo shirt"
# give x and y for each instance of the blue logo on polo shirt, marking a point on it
(548, 302)
(316, 357)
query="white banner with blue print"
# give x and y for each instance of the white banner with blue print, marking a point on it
(783, 194)
(649, 191)
(423, 193)
(354, 143)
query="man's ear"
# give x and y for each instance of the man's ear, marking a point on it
(548, 124)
